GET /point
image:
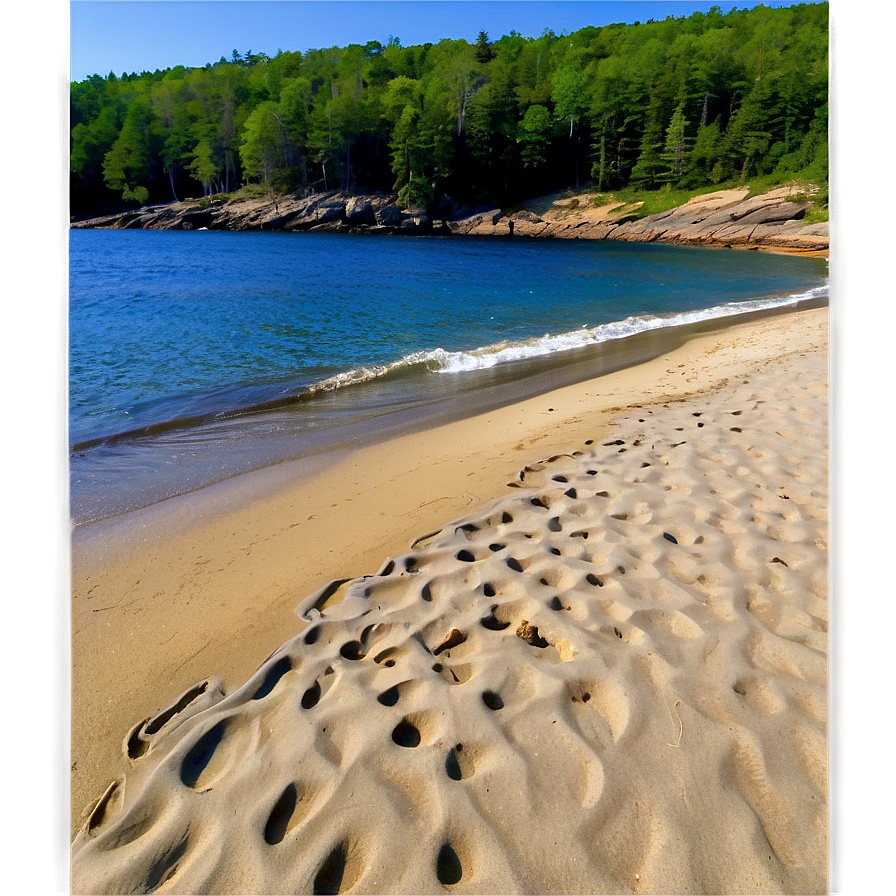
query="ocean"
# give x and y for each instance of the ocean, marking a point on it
(198, 355)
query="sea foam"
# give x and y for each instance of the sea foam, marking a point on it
(438, 360)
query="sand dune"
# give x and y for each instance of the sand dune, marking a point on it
(612, 679)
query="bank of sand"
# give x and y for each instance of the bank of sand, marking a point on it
(607, 674)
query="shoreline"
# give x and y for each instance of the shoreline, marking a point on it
(509, 383)
(727, 218)
(209, 583)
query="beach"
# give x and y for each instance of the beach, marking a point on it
(575, 644)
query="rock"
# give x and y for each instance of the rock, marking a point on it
(359, 211)
(137, 222)
(328, 212)
(389, 216)
(715, 201)
(528, 224)
(412, 223)
(732, 234)
(330, 226)
(747, 206)
(481, 223)
(785, 211)
(723, 218)
(526, 217)
(821, 229)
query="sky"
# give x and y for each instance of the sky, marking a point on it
(144, 35)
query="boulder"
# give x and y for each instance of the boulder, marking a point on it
(413, 223)
(478, 223)
(389, 216)
(359, 211)
(328, 212)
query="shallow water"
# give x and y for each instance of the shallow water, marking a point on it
(198, 355)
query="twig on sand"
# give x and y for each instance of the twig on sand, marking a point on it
(680, 725)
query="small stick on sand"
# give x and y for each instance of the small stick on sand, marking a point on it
(680, 725)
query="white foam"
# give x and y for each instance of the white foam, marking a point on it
(439, 360)
(502, 352)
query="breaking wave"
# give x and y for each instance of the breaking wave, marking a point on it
(438, 360)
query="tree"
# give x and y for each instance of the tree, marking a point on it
(344, 119)
(292, 114)
(674, 155)
(492, 129)
(263, 144)
(748, 136)
(616, 102)
(535, 135)
(174, 125)
(88, 138)
(648, 168)
(484, 50)
(706, 161)
(413, 144)
(570, 96)
(203, 165)
(457, 74)
(127, 165)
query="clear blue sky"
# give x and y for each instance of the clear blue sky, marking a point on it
(143, 35)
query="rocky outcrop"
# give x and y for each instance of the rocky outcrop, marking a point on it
(328, 212)
(726, 218)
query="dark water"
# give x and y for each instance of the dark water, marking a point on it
(198, 355)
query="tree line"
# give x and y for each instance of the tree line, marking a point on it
(686, 101)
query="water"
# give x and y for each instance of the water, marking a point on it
(198, 355)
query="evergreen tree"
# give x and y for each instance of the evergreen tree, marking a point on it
(674, 155)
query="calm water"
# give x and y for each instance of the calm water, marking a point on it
(197, 355)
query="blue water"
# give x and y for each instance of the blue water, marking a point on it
(198, 338)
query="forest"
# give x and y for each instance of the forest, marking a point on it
(680, 103)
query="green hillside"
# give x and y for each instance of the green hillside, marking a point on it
(674, 105)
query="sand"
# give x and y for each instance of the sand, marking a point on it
(577, 645)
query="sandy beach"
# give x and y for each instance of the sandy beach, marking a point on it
(575, 645)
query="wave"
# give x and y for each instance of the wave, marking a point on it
(237, 404)
(439, 360)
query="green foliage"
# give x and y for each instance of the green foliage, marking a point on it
(203, 166)
(127, 163)
(684, 103)
(653, 202)
(484, 50)
(261, 150)
(674, 154)
(818, 213)
(535, 135)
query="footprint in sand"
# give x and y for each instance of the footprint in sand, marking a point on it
(278, 823)
(448, 866)
(198, 761)
(329, 878)
(492, 700)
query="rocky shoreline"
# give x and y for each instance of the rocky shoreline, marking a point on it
(726, 218)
